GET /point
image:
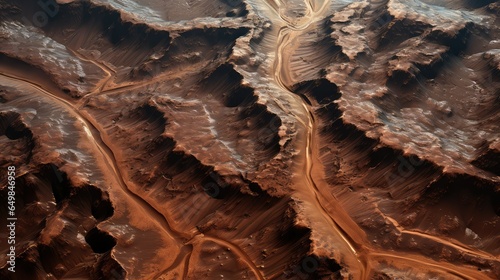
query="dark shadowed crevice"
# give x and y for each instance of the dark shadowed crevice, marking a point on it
(100, 241)
(14, 133)
(89, 196)
(108, 268)
(478, 3)
(102, 209)
(489, 161)
(241, 96)
(456, 42)
(495, 201)
(401, 30)
(13, 127)
(322, 90)
(61, 187)
(214, 185)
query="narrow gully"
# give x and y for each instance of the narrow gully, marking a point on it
(93, 131)
(284, 39)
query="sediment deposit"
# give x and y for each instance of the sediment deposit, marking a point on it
(251, 139)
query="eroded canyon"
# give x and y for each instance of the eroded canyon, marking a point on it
(251, 139)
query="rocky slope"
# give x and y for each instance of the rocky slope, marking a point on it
(251, 139)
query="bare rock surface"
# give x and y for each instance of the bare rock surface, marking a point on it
(251, 139)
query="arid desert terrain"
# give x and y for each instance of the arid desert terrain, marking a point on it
(249, 139)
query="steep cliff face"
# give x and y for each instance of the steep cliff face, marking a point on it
(251, 139)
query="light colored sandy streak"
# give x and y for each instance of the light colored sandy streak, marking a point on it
(98, 139)
(415, 261)
(104, 151)
(281, 75)
(285, 35)
(238, 252)
(455, 245)
(111, 74)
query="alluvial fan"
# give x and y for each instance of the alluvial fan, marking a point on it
(250, 139)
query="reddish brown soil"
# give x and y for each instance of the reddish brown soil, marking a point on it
(251, 139)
